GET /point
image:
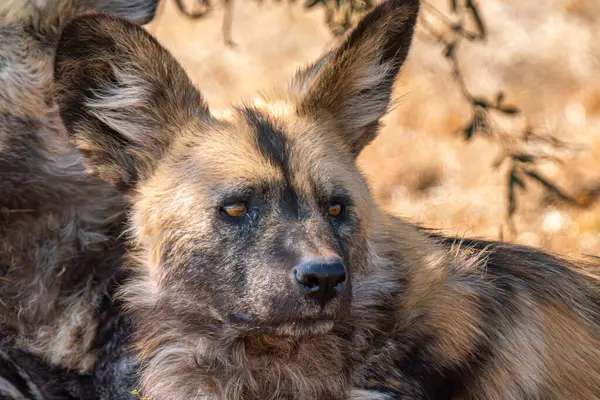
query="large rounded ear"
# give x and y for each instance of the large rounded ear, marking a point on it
(137, 11)
(122, 96)
(351, 86)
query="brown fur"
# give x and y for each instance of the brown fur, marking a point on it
(217, 313)
(59, 253)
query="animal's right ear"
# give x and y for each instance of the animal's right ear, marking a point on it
(123, 98)
(351, 86)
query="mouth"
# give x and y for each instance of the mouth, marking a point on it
(299, 327)
(305, 328)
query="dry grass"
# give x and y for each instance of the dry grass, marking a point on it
(543, 53)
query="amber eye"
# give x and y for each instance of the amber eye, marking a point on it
(334, 210)
(236, 210)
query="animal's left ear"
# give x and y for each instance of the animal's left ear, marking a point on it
(123, 98)
(353, 83)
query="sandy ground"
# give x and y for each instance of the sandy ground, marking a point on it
(545, 55)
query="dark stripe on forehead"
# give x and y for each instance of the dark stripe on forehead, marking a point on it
(275, 147)
(270, 139)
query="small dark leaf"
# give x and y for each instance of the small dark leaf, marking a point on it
(469, 131)
(454, 5)
(472, 6)
(481, 103)
(524, 158)
(449, 50)
(511, 197)
(516, 179)
(510, 110)
(499, 99)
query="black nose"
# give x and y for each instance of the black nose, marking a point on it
(320, 280)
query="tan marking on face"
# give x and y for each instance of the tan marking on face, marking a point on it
(276, 107)
(231, 154)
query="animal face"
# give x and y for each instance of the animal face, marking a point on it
(261, 218)
(259, 222)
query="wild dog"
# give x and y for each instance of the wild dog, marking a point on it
(59, 228)
(263, 267)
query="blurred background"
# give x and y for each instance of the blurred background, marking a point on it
(495, 132)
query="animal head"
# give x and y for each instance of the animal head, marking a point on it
(259, 222)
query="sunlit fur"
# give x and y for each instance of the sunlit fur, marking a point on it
(217, 314)
(59, 228)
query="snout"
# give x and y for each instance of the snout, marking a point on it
(320, 281)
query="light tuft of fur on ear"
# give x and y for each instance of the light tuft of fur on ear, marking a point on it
(353, 83)
(122, 96)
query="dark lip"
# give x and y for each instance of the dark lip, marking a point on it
(313, 329)
(250, 323)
